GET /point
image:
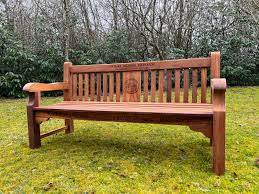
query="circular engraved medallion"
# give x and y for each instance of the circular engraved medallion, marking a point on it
(131, 86)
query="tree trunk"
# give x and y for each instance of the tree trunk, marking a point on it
(66, 29)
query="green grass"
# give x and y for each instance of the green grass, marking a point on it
(107, 157)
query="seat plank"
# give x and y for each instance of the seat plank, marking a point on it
(126, 107)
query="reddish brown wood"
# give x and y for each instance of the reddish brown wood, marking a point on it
(86, 92)
(75, 87)
(141, 66)
(203, 85)
(105, 87)
(68, 94)
(145, 86)
(186, 86)
(53, 132)
(67, 80)
(161, 86)
(40, 87)
(215, 65)
(218, 141)
(80, 87)
(92, 87)
(208, 119)
(177, 85)
(118, 86)
(98, 87)
(131, 86)
(33, 127)
(169, 86)
(111, 87)
(194, 85)
(70, 87)
(153, 86)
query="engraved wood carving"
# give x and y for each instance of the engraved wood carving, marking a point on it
(131, 86)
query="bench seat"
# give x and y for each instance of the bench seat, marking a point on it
(136, 107)
(166, 113)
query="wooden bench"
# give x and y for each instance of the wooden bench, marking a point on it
(141, 92)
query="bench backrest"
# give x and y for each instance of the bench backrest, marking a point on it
(152, 81)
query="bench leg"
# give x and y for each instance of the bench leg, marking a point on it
(33, 130)
(70, 125)
(218, 140)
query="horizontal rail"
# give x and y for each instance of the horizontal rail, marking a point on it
(138, 66)
(53, 132)
(179, 119)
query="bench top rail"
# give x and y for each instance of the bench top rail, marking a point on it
(141, 66)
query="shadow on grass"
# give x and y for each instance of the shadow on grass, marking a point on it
(181, 152)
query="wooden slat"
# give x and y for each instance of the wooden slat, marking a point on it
(169, 86)
(177, 85)
(75, 86)
(111, 87)
(141, 66)
(98, 88)
(153, 86)
(131, 86)
(105, 87)
(145, 87)
(70, 86)
(80, 86)
(203, 84)
(118, 86)
(161, 86)
(92, 87)
(86, 92)
(194, 85)
(52, 132)
(186, 86)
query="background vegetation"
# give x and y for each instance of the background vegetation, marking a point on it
(36, 36)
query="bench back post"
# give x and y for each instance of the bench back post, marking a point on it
(215, 65)
(67, 79)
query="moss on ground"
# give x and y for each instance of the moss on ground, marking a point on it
(107, 157)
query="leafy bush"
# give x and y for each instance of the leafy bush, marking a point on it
(18, 66)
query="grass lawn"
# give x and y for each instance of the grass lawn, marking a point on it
(107, 157)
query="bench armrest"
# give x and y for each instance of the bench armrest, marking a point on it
(41, 87)
(218, 90)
